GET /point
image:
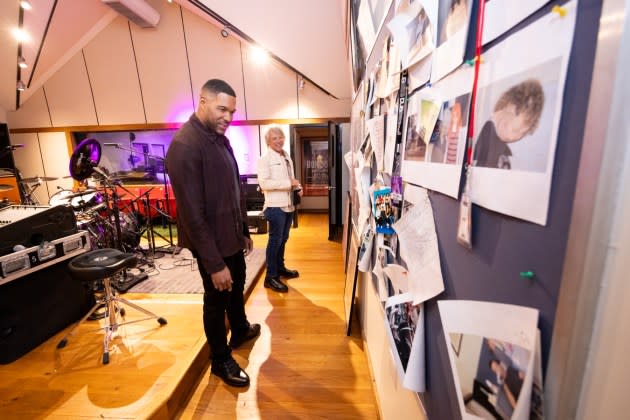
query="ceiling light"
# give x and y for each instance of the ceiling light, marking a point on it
(259, 55)
(20, 85)
(301, 83)
(25, 4)
(224, 32)
(22, 62)
(20, 35)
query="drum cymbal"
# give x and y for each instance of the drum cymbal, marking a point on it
(38, 178)
(81, 193)
(5, 187)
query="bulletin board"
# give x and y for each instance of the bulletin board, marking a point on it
(505, 247)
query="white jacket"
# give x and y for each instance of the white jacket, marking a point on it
(274, 179)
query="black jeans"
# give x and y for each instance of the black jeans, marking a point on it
(216, 304)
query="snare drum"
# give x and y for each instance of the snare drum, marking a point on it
(86, 201)
(60, 198)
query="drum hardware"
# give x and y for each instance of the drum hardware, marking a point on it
(166, 216)
(83, 165)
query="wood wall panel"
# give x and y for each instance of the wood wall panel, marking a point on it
(112, 68)
(271, 88)
(69, 95)
(211, 56)
(32, 113)
(28, 161)
(313, 103)
(163, 66)
(55, 147)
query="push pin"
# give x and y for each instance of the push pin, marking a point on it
(527, 274)
(562, 11)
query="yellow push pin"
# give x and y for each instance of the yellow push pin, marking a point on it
(559, 10)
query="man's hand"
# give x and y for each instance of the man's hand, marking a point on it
(222, 280)
(249, 246)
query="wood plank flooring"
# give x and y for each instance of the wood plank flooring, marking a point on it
(302, 366)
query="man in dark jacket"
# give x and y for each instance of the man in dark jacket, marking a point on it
(212, 222)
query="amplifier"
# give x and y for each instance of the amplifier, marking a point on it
(26, 261)
(30, 226)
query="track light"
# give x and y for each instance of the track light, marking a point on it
(25, 4)
(22, 62)
(301, 83)
(20, 85)
(224, 32)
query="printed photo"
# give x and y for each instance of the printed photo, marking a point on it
(514, 125)
(452, 17)
(420, 35)
(491, 374)
(403, 318)
(384, 211)
(450, 131)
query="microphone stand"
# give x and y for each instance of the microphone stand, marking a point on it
(171, 248)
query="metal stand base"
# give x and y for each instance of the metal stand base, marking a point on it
(115, 312)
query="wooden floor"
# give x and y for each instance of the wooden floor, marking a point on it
(302, 366)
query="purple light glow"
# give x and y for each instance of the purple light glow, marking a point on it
(245, 142)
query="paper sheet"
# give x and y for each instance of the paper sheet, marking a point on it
(418, 246)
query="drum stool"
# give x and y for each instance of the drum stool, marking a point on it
(103, 265)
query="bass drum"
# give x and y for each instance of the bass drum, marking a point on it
(60, 198)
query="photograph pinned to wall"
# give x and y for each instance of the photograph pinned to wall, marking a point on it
(501, 16)
(376, 129)
(413, 30)
(404, 323)
(383, 210)
(444, 137)
(452, 27)
(418, 245)
(390, 135)
(315, 167)
(493, 352)
(517, 115)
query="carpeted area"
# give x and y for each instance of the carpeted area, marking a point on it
(179, 274)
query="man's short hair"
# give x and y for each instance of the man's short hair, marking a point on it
(217, 86)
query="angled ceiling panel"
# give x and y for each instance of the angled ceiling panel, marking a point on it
(308, 35)
(163, 67)
(69, 95)
(270, 88)
(113, 75)
(211, 56)
(313, 103)
(33, 113)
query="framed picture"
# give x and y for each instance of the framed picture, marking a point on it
(347, 230)
(315, 167)
(350, 287)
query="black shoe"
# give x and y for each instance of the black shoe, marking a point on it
(289, 274)
(275, 284)
(252, 331)
(230, 372)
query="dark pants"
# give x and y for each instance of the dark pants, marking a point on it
(216, 304)
(279, 227)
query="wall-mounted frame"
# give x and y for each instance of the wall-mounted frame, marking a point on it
(350, 288)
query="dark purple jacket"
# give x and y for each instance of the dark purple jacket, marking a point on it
(211, 211)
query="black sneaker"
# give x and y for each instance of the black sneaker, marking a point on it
(289, 274)
(230, 372)
(276, 285)
(252, 331)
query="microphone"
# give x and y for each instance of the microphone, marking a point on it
(111, 144)
(15, 146)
